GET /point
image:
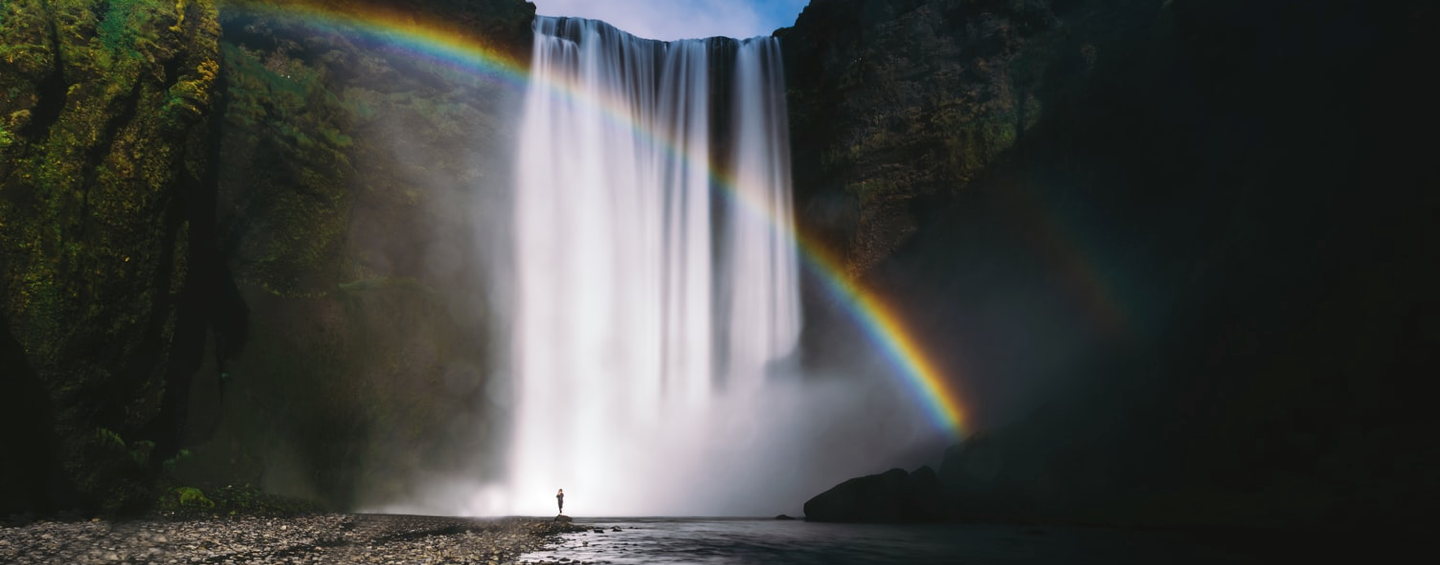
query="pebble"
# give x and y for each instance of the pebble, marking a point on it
(301, 540)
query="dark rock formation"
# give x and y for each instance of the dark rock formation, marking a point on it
(104, 162)
(897, 105)
(1202, 247)
(892, 496)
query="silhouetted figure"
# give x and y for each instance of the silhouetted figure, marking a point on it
(560, 500)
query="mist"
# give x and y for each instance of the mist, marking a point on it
(359, 251)
(703, 410)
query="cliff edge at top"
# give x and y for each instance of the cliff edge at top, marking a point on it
(897, 106)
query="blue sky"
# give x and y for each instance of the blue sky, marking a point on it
(680, 19)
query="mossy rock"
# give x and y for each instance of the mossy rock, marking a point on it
(191, 496)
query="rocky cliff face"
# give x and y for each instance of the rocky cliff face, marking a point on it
(358, 187)
(105, 159)
(249, 246)
(1197, 248)
(897, 106)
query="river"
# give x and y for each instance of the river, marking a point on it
(653, 541)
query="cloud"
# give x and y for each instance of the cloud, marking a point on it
(681, 19)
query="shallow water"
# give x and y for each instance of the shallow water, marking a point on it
(743, 541)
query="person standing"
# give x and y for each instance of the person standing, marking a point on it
(560, 500)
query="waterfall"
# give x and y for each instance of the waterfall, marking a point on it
(655, 271)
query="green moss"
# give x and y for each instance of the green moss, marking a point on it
(95, 186)
(191, 496)
(292, 169)
(170, 465)
(229, 501)
(378, 283)
(140, 452)
(973, 139)
(107, 437)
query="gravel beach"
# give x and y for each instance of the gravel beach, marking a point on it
(326, 538)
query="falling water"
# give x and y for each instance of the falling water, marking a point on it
(656, 282)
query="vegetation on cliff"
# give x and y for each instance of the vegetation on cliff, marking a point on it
(178, 212)
(352, 177)
(103, 147)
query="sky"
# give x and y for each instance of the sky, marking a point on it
(682, 19)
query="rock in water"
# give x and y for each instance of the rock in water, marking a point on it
(784, 517)
(563, 519)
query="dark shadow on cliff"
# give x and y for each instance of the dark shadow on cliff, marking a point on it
(212, 318)
(30, 479)
(1206, 271)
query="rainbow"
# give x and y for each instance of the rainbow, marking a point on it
(885, 327)
(882, 323)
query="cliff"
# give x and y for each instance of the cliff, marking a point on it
(359, 183)
(230, 244)
(897, 106)
(1183, 287)
(105, 158)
